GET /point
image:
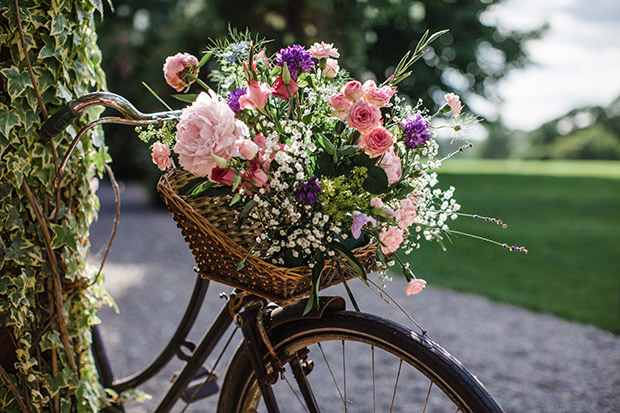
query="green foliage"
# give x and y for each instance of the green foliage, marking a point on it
(66, 64)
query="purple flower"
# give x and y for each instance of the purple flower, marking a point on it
(359, 220)
(416, 131)
(233, 99)
(297, 59)
(308, 192)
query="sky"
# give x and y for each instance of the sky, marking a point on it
(576, 63)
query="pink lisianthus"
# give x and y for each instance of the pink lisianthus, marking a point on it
(392, 166)
(160, 154)
(223, 175)
(331, 68)
(455, 103)
(391, 240)
(379, 96)
(415, 286)
(281, 90)
(340, 104)
(255, 96)
(262, 57)
(377, 142)
(363, 116)
(207, 127)
(254, 177)
(247, 148)
(177, 67)
(323, 50)
(359, 220)
(406, 214)
(353, 90)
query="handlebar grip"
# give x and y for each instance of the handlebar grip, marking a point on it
(58, 122)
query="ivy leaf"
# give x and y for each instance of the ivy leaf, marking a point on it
(64, 235)
(8, 119)
(18, 81)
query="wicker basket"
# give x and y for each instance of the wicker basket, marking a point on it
(209, 227)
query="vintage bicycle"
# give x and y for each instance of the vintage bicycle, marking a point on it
(287, 361)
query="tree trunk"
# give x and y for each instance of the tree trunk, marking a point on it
(48, 294)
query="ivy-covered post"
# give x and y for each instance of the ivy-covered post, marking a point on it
(48, 293)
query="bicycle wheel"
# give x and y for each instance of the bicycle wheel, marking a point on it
(355, 362)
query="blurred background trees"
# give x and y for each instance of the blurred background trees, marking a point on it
(372, 36)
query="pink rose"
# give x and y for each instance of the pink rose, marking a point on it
(391, 240)
(392, 166)
(415, 286)
(363, 116)
(177, 67)
(353, 90)
(160, 154)
(255, 96)
(331, 68)
(247, 148)
(379, 96)
(282, 91)
(207, 127)
(340, 104)
(406, 214)
(454, 102)
(223, 175)
(323, 50)
(377, 142)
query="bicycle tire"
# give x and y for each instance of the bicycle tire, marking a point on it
(418, 353)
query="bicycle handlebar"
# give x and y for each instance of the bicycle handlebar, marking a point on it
(64, 117)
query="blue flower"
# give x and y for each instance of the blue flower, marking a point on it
(416, 131)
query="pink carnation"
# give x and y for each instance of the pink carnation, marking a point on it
(364, 116)
(392, 166)
(379, 96)
(247, 148)
(377, 142)
(207, 127)
(391, 239)
(323, 50)
(160, 154)
(415, 286)
(406, 214)
(176, 69)
(454, 102)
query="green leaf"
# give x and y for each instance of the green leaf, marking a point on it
(348, 150)
(8, 120)
(317, 270)
(245, 212)
(18, 81)
(377, 181)
(205, 58)
(188, 98)
(59, 24)
(64, 235)
(348, 254)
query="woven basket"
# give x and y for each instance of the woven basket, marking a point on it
(209, 227)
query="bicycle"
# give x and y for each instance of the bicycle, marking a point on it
(402, 366)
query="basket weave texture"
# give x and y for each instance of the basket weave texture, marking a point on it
(209, 227)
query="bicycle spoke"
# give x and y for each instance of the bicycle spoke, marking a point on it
(400, 365)
(295, 393)
(344, 372)
(331, 373)
(374, 384)
(428, 395)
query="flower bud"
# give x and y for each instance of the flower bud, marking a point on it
(286, 74)
(219, 161)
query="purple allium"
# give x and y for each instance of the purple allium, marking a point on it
(308, 192)
(416, 131)
(233, 99)
(297, 59)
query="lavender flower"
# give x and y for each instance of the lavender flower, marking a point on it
(233, 99)
(308, 192)
(416, 131)
(297, 59)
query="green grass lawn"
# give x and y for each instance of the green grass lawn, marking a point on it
(569, 222)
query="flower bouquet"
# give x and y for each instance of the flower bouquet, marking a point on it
(291, 176)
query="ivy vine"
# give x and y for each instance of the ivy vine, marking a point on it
(48, 294)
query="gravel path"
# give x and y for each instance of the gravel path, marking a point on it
(528, 362)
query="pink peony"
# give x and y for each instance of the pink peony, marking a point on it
(454, 102)
(379, 96)
(415, 286)
(331, 68)
(391, 239)
(281, 90)
(223, 176)
(353, 90)
(207, 127)
(392, 166)
(363, 116)
(160, 154)
(256, 96)
(323, 50)
(406, 214)
(377, 142)
(247, 148)
(176, 69)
